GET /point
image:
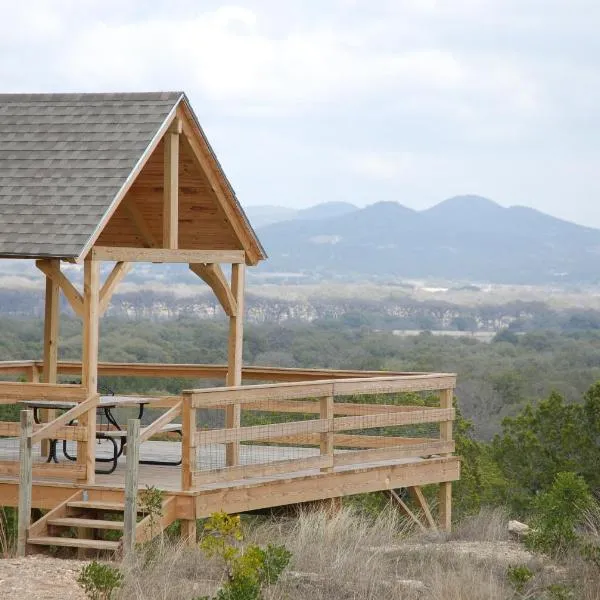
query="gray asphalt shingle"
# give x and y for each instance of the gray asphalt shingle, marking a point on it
(63, 159)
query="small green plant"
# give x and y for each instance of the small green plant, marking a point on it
(248, 569)
(151, 504)
(99, 580)
(518, 576)
(559, 510)
(559, 591)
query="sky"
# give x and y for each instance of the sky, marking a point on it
(309, 101)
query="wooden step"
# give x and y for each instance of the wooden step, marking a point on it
(74, 543)
(86, 523)
(97, 505)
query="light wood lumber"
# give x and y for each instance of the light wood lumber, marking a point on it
(146, 529)
(115, 277)
(12, 429)
(188, 443)
(40, 527)
(404, 507)
(326, 443)
(162, 255)
(354, 457)
(52, 269)
(16, 391)
(131, 486)
(445, 489)
(140, 223)
(417, 495)
(171, 190)
(213, 276)
(157, 425)
(25, 481)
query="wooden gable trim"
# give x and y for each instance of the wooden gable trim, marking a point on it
(226, 201)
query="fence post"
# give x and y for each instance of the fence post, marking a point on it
(25, 477)
(326, 443)
(131, 485)
(445, 491)
(188, 442)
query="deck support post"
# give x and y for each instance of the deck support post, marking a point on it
(86, 451)
(25, 481)
(234, 361)
(51, 327)
(131, 485)
(327, 438)
(445, 489)
(188, 442)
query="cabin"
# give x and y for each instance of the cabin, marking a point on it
(108, 180)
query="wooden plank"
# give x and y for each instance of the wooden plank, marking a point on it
(339, 408)
(260, 432)
(162, 255)
(86, 451)
(234, 359)
(44, 469)
(49, 430)
(139, 222)
(15, 391)
(445, 489)
(343, 440)
(419, 498)
(386, 385)
(354, 457)
(51, 326)
(86, 523)
(75, 543)
(171, 189)
(115, 277)
(425, 415)
(321, 486)
(13, 429)
(213, 276)
(189, 533)
(156, 426)
(131, 486)
(406, 510)
(25, 479)
(52, 269)
(262, 470)
(326, 442)
(188, 443)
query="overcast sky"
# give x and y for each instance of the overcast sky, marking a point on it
(308, 101)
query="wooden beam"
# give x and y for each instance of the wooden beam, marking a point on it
(406, 510)
(445, 489)
(51, 269)
(162, 255)
(419, 498)
(213, 275)
(171, 187)
(135, 214)
(131, 486)
(25, 479)
(115, 277)
(326, 439)
(11, 391)
(188, 443)
(51, 326)
(234, 359)
(86, 451)
(163, 420)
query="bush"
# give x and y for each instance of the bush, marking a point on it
(558, 512)
(99, 580)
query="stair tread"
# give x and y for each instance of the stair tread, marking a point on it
(96, 504)
(87, 523)
(74, 543)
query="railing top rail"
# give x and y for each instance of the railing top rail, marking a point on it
(331, 387)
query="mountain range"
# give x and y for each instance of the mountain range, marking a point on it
(467, 238)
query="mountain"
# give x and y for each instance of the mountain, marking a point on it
(462, 238)
(267, 214)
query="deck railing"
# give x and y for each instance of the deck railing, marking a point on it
(329, 424)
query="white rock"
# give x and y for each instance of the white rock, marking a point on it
(517, 528)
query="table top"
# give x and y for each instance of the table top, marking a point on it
(103, 402)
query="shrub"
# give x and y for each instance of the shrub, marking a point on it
(518, 576)
(558, 511)
(99, 580)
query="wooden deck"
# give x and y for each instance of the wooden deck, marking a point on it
(303, 442)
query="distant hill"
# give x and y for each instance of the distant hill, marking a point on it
(465, 238)
(267, 214)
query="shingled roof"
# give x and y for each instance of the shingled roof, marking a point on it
(64, 158)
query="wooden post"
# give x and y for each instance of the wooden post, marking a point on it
(51, 326)
(445, 490)
(25, 477)
(131, 485)
(188, 443)
(171, 187)
(234, 361)
(86, 451)
(327, 436)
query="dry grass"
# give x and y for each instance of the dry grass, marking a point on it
(347, 556)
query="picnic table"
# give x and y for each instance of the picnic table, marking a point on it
(113, 432)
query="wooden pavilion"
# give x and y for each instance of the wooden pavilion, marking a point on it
(125, 178)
